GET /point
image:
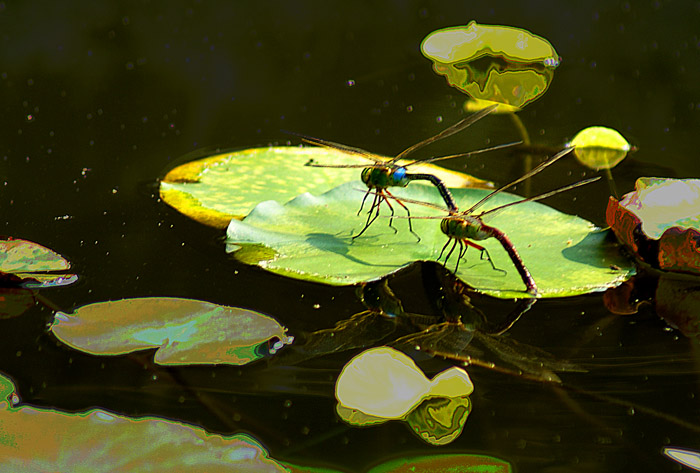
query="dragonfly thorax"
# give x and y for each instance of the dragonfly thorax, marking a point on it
(465, 227)
(383, 177)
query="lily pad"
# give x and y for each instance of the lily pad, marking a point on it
(185, 331)
(445, 463)
(28, 264)
(382, 384)
(599, 147)
(440, 463)
(310, 238)
(219, 188)
(501, 64)
(660, 222)
(36, 439)
(436, 420)
(685, 456)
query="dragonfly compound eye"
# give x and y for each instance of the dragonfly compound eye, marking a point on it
(366, 175)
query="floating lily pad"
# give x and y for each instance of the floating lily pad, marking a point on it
(382, 384)
(446, 463)
(36, 439)
(185, 331)
(660, 222)
(440, 463)
(310, 238)
(599, 147)
(501, 64)
(229, 185)
(685, 456)
(28, 264)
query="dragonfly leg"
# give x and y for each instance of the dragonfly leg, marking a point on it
(369, 191)
(461, 252)
(370, 218)
(449, 240)
(484, 251)
(391, 219)
(408, 212)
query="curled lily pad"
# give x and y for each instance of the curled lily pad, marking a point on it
(310, 238)
(229, 185)
(36, 439)
(384, 382)
(501, 64)
(439, 420)
(436, 420)
(598, 147)
(660, 222)
(32, 265)
(184, 331)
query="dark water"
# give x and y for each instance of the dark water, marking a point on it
(100, 98)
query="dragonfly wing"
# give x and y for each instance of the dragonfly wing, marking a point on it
(343, 148)
(533, 361)
(456, 128)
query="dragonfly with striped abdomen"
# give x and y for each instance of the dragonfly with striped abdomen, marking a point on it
(464, 228)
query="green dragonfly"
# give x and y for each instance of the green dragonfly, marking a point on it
(385, 173)
(464, 228)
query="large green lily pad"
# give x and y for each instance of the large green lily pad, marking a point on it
(185, 331)
(229, 185)
(310, 238)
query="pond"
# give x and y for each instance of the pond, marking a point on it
(100, 100)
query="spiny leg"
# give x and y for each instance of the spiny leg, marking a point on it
(449, 240)
(369, 191)
(484, 251)
(391, 219)
(462, 250)
(370, 219)
(454, 245)
(408, 212)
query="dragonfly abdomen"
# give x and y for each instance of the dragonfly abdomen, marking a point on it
(440, 186)
(515, 258)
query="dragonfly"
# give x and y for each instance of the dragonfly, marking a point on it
(385, 173)
(464, 228)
